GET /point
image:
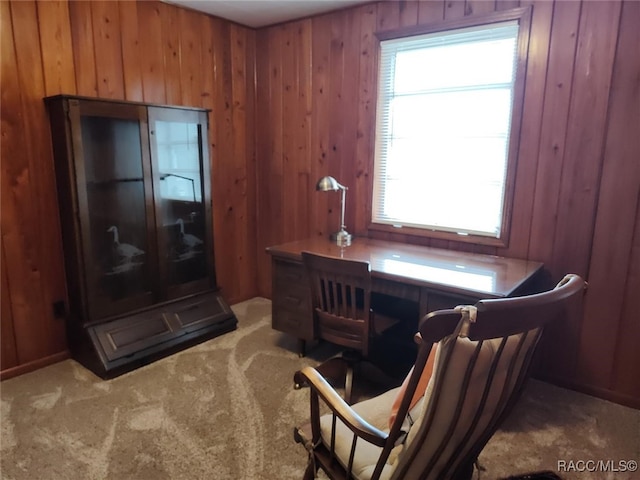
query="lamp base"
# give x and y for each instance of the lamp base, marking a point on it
(343, 239)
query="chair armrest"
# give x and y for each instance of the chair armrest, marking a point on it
(320, 387)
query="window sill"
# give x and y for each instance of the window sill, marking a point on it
(441, 235)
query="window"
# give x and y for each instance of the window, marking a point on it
(447, 130)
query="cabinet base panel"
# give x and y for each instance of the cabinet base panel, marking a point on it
(118, 345)
(90, 358)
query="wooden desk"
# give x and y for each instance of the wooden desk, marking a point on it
(431, 277)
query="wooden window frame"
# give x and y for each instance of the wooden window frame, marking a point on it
(523, 17)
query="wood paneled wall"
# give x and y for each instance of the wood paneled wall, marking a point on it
(307, 110)
(577, 192)
(141, 51)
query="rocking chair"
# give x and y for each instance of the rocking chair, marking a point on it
(480, 363)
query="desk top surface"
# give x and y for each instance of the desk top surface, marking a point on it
(459, 272)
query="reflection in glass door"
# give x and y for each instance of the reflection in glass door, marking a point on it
(181, 212)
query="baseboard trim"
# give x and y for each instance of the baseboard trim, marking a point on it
(34, 365)
(610, 395)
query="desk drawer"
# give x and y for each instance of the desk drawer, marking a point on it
(296, 298)
(286, 321)
(443, 301)
(396, 289)
(288, 273)
(296, 323)
(290, 288)
(291, 310)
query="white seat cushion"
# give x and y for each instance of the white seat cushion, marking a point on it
(376, 412)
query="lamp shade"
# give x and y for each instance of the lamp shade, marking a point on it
(327, 184)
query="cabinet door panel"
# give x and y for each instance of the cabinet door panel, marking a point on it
(114, 203)
(178, 146)
(123, 337)
(200, 311)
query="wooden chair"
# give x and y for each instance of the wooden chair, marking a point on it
(481, 361)
(342, 315)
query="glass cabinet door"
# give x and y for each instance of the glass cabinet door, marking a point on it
(180, 164)
(115, 204)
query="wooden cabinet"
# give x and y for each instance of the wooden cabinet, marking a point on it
(135, 207)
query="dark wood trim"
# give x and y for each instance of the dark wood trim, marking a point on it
(125, 102)
(34, 365)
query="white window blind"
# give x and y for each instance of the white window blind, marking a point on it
(443, 125)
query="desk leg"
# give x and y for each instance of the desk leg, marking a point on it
(302, 346)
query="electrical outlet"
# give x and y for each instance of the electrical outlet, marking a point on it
(59, 310)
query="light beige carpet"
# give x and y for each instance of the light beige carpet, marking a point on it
(225, 409)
